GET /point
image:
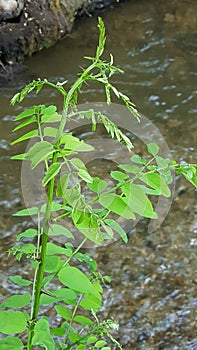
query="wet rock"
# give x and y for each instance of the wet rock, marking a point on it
(10, 9)
(30, 26)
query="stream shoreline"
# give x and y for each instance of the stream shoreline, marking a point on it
(34, 27)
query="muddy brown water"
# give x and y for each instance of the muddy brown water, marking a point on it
(153, 294)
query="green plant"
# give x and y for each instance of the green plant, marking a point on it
(78, 295)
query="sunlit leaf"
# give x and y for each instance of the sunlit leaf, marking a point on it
(27, 136)
(116, 227)
(137, 159)
(156, 181)
(18, 300)
(19, 156)
(117, 205)
(97, 185)
(58, 332)
(75, 279)
(53, 249)
(25, 114)
(63, 312)
(50, 131)
(52, 171)
(29, 233)
(39, 152)
(133, 169)
(52, 263)
(77, 163)
(119, 175)
(138, 201)
(87, 224)
(84, 175)
(20, 281)
(91, 302)
(100, 343)
(83, 320)
(12, 322)
(189, 171)
(153, 148)
(57, 230)
(25, 123)
(27, 212)
(42, 335)
(11, 343)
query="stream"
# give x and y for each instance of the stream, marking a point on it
(153, 293)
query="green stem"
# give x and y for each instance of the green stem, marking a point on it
(40, 271)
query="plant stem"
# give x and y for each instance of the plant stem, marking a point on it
(40, 271)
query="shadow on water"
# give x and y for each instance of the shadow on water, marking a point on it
(153, 291)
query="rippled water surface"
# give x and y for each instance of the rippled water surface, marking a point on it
(153, 294)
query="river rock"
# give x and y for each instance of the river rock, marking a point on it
(10, 9)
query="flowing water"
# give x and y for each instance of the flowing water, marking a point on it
(153, 294)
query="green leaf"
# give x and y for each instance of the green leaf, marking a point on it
(156, 181)
(137, 159)
(58, 230)
(87, 224)
(48, 109)
(25, 114)
(19, 156)
(63, 312)
(118, 175)
(150, 191)
(77, 280)
(52, 171)
(137, 200)
(12, 322)
(53, 249)
(29, 233)
(117, 205)
(11, 343)
(81, 347)
(89, 261)
(66, 295)
(84, 175)
(52, 263)
(72, 195)
(189, 171)
(74, 144)
(50, 131)
(25, 123)
(58, 332)
(27, 212)
(108, 231)
(62, 185)
(74, 337)
(92, 339)
(116, 227)
(39, 152)
(91, 302)
(18, 300)
(133, 169)
(153, 148)
(83, 320)
(77, 163)
(20, 281)
(100, 343)
(42, 335)
(97, 185)
(51, 118)
(27, 136)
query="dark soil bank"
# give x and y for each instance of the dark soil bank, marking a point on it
(37, 25)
